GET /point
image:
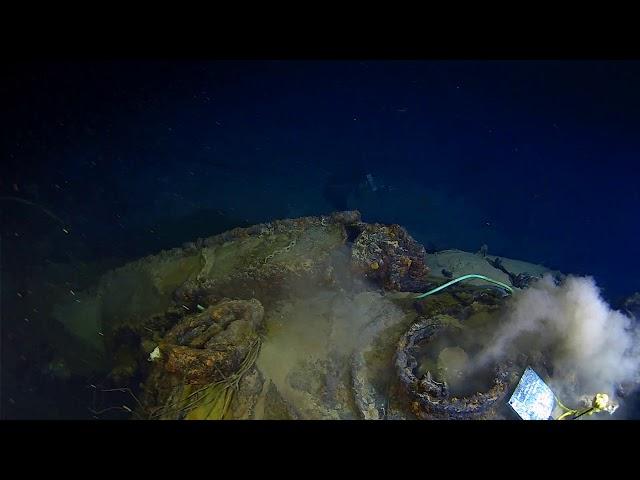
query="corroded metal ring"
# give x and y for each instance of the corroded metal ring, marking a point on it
(431, 399)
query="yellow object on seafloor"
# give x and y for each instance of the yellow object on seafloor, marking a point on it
(600, 403)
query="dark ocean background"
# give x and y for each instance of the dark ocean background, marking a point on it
(536, 159)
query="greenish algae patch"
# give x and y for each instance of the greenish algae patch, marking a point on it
(227, 258)
(294, 250)
(82, 318)
(306, 352)
(125, 296)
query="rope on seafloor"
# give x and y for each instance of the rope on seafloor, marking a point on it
(217, 395)
(49, 213)
(465, 277)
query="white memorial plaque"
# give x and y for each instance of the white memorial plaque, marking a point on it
(532, 398)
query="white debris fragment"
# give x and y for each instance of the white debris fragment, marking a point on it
(154, 355)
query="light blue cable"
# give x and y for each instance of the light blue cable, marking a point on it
(464, 277)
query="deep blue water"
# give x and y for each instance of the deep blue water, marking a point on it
(538, 160)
